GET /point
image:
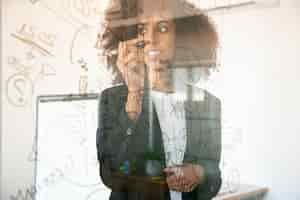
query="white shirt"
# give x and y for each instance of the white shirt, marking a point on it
(171, 115)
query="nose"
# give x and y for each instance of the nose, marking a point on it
(152, 34)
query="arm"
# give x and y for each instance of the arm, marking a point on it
(209, 153)
(112, 140)
(205, 152)
(200, 175)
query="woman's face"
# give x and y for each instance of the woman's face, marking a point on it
(158, 35)
(159, 38)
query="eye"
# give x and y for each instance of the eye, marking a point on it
(163, 27)
(141, 29)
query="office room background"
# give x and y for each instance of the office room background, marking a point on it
(48, 48)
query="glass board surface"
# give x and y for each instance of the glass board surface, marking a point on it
(66, 160)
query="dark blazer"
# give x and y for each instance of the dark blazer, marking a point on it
(120, 139)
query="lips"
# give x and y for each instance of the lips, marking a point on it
(153, 52)
(152, 56)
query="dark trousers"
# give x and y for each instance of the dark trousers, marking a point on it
(142, 196)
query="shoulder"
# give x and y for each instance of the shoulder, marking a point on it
(113, 97)
(119, 90)
(213, 105)
(211, 98)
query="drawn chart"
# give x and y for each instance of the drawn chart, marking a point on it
(66, 162)
(38, 48)
(30, 64)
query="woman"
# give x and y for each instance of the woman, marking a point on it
(139, 115)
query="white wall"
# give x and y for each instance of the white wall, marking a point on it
(261, 89)
(259, 85)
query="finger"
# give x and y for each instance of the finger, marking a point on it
(132, 42)
(134, 53)
(129, 58)
(182, 188)
(186, 184)
(133, 46)
(179, 182)
(188, 180)
(120, 50)
(185, 188)
(169, 171)
(185, 181)
(175, 170)
(171, 184)
(125, 49)
(179, 186)
(137, 67)
(188, 189)
(120, 58)
(136, 71)
(129, 62)
(179, 172)
(174, 183)
(172, 179)
(176, 187)
(191, 187)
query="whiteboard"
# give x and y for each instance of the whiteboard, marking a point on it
(66, 160)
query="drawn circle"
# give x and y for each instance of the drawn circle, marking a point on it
(84, 12)
(19, 90)
(99, 193)
(82, 52)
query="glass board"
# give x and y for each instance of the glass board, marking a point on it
(66, 160)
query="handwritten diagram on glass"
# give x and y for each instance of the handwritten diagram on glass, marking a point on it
(66, 157)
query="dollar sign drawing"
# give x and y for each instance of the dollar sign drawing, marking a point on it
(19, 89)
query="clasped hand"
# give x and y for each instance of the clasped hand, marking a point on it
(184, 178)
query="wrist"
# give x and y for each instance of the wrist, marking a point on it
(199, 173)
(135, 94)
(134, 100)
(133, 105)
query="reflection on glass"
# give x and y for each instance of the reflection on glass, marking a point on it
(159, 136)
